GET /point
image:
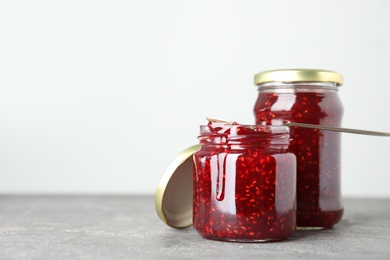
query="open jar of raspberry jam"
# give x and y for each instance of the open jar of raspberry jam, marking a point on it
(244, 183)
(308, 96)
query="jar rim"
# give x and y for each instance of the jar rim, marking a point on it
(259, 127)
(242, 129)
(298, 75)
(240, 136)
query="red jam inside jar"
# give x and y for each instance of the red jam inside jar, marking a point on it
(310, 101)
(244, 183)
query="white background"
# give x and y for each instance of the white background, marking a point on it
(100, 96)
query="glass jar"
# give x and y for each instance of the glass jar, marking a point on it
(308, 96)
(244, 183)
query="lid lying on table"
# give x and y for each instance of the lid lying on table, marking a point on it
(298, 75)
(173, 198)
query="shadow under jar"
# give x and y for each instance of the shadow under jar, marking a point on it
(244, 183)
(308, 96)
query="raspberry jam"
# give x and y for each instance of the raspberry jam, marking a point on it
(318, 152)
(244, 183)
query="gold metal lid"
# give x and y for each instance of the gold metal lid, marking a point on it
(173, 199)
(298, 75)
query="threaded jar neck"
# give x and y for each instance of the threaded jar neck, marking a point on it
(236, 136)
(282, 87)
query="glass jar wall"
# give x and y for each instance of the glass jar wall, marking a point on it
(244, 183)
(308, 96)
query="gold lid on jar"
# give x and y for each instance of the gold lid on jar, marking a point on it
(298, 75)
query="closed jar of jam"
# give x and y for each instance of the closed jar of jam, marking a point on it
(307, 96)
(244, 183)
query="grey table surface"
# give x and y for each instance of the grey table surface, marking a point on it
(127, 227)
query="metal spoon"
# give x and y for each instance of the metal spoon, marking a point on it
(321, 127)
(339, 129)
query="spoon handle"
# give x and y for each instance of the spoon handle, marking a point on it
(338, 129)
